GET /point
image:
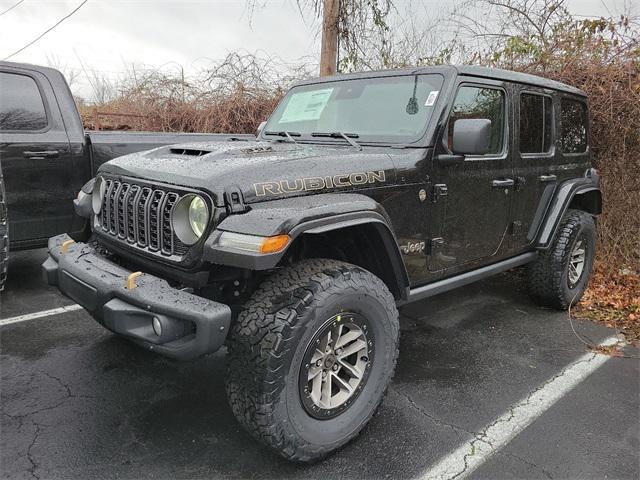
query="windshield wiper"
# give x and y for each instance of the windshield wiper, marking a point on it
(347, 136)
(284, 133)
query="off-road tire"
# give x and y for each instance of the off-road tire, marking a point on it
(268, 341)
(548, 275)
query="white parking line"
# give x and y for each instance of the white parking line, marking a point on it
(43, 313)
(469, 456)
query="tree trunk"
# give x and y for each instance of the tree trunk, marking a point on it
(329, 50)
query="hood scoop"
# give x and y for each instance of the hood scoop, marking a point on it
(192, 152)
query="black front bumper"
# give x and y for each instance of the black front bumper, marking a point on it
(190, 325)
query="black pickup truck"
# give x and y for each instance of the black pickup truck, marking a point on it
(47, 156)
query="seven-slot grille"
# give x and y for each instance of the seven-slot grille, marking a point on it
(141, 216)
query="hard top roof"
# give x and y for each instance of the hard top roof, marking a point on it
(467, 70)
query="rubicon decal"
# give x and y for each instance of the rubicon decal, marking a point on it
(318, 183)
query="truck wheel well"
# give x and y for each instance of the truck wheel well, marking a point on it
(361, 245)
(589, 201)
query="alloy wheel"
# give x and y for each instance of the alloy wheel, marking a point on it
(577, 262)
(336, 365)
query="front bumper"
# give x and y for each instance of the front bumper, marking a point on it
(191, 325)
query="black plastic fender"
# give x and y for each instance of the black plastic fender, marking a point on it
(569, 193)
(310, 215)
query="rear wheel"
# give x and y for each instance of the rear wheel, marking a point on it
(560, 275)
(310, 357)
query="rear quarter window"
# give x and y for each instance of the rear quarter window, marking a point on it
(21, 105)
(573, 126)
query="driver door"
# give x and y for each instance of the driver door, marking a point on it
(475, 193)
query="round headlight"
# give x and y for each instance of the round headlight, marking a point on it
(190, 217)
(97, 196)
(198, 216)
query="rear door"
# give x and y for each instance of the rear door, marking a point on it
(534, 152)
(36, 158)
(474, 206)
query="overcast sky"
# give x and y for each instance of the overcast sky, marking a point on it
(106, 35)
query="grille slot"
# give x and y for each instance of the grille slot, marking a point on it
(141, 216)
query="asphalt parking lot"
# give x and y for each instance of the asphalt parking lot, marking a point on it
(488, 386)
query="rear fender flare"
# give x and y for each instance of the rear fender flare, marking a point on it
(581, 193)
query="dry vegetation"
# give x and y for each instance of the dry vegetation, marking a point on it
(600, 56)
(230, 96)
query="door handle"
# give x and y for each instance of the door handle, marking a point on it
(547, 178)
(507, 182)
(41, 155)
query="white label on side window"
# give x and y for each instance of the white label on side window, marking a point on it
(431, 99)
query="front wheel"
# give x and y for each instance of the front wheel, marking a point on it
(311, 356)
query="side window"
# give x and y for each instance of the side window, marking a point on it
(573, 134)
(536, 116)
(479, 102)
(21, 106)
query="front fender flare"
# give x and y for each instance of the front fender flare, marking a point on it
(297, 216)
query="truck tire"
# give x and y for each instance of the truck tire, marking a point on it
(311, 356)
(560, 274)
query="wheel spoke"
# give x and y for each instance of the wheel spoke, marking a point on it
(348, 337)
(316, 389)
(324, 343)
(314, 371)
(353, 348)
(335, 335)
(326, 392)
(317, 355)
(352, 369)
(342, 383)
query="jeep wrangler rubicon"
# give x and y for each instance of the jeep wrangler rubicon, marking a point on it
(362, 192)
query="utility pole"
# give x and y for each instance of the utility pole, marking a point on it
(329, 49)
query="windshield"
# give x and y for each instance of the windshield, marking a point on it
(383, 109)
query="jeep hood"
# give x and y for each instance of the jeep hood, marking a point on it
(260, 170)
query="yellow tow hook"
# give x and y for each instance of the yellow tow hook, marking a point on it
(65, 246)
(131, 280)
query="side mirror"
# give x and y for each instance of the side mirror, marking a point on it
(260, 128)
(471, 136)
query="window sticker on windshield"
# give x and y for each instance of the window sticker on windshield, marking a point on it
(431, 99)
(305, 106)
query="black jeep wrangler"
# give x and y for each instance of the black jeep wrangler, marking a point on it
(363, 192)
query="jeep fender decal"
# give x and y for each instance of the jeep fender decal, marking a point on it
(318, 183)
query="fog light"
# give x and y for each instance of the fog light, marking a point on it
(157, 326)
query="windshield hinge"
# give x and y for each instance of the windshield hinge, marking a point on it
(233, 200)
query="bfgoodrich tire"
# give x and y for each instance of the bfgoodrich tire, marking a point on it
(560, 274)
(281, 357)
